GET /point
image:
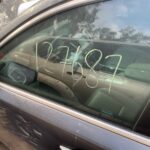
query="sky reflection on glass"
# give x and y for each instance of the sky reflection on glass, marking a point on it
(119, 14)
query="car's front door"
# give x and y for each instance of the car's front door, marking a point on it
(79, 78)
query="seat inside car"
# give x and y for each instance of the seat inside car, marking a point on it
(114, 105)
(130, 55)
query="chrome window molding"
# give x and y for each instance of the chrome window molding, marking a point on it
(99, 123)
(114, 129)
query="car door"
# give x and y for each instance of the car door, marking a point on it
(77, 75)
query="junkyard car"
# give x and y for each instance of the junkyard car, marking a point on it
(77, 74)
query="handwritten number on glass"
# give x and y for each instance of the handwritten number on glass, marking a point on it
(116, 68)
(92, 68)
(66, 57)
(91, 74)
(75, 64)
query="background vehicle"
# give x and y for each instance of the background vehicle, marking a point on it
(26, 5)
(76, 74)
(9, 9)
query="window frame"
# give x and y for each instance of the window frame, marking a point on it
(96, 122)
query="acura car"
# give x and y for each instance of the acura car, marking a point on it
(75, 74)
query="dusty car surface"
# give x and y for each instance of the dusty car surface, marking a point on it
(76, 74)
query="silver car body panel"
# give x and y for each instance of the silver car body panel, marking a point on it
(100, 133)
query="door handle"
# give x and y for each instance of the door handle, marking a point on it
(76, 73)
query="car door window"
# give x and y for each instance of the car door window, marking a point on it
(94, 58)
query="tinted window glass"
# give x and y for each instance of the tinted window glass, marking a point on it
(94, 58)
